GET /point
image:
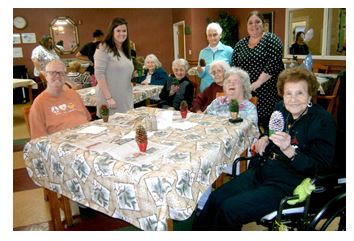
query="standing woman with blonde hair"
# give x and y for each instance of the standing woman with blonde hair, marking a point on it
(114, 69)
(260, 54)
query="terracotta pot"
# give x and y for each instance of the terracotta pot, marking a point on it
(184, 114)
(143, 146)
(105, 118)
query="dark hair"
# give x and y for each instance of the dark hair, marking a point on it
(298, 35)
(295, 75)
(45, 41)
(256, 13)
(109, 41)
(97, 33)
(60, 42)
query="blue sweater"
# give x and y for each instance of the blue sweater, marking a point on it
(159, 77)
(223, 52)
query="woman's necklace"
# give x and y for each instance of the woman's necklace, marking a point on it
(289, 124)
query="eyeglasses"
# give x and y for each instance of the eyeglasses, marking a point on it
(54, 73)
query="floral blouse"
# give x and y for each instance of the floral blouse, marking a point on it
(220, 107)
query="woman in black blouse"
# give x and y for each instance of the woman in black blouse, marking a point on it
(260, 54)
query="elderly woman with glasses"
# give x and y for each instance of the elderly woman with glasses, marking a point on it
(178, 87)
(236, 86)
(203, 99)
(56, 108)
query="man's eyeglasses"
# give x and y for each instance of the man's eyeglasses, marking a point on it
(54, 73)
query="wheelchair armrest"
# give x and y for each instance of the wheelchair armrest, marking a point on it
(234, 164)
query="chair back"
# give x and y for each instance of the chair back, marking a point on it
(254, 100)
(218, 94)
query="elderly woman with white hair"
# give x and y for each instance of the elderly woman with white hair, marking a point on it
(154, 74)
(217, 71)
(173, 93)
(216, 50)
(237, 86)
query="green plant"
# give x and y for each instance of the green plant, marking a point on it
(104, 111)
(234, 106)
(175, 81)
(229, 25)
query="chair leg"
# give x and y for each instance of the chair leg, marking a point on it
(45, 192)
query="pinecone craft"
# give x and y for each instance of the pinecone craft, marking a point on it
(276, 122)
(140, 134)
(141, 137)
(183, 106)
(202, 63)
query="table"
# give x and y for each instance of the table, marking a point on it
(105, 171)
(140, 93)
(29, 83)
(325, 81)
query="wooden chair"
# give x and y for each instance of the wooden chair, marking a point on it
(56, 202)
(332, 99)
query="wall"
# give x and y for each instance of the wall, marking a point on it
(150, 29)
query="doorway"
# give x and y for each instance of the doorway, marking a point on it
(179, 40)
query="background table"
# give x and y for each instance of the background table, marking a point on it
(140, 93)
(29, 83)
(145, 190)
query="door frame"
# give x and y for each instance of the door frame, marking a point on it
(176, 46)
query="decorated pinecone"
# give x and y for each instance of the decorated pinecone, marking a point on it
(140, 134)
(276, 122)
(104, 110)
(234, 106)
(202, 63)
(183, 106)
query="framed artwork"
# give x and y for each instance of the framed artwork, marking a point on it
(268, 21)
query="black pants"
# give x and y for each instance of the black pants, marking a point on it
(240, 201)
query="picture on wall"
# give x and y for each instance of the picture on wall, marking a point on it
(268, 22)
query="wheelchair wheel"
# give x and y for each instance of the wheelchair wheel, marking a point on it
(332, 216)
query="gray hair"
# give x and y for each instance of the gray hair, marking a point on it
(181, 62)
(154, 59)
(243, 76)
(214, 26)
(221, 63)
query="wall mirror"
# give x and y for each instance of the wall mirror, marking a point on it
(329, 31)
(65, 35)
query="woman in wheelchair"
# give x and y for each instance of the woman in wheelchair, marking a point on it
(303, 148)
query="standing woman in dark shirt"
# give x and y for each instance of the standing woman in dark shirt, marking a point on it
(260, 54)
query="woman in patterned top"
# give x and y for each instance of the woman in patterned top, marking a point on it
(260, 54)
(236, 86)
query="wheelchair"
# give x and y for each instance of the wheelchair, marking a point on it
(323, 209)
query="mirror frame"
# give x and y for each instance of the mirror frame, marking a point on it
(325, 33)
(75, 33)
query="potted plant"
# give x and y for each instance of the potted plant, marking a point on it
(104, 113)
(183, 107)
(234, 109)
(141, 137)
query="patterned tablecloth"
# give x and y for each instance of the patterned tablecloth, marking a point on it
(140, 93)
(98, 164)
